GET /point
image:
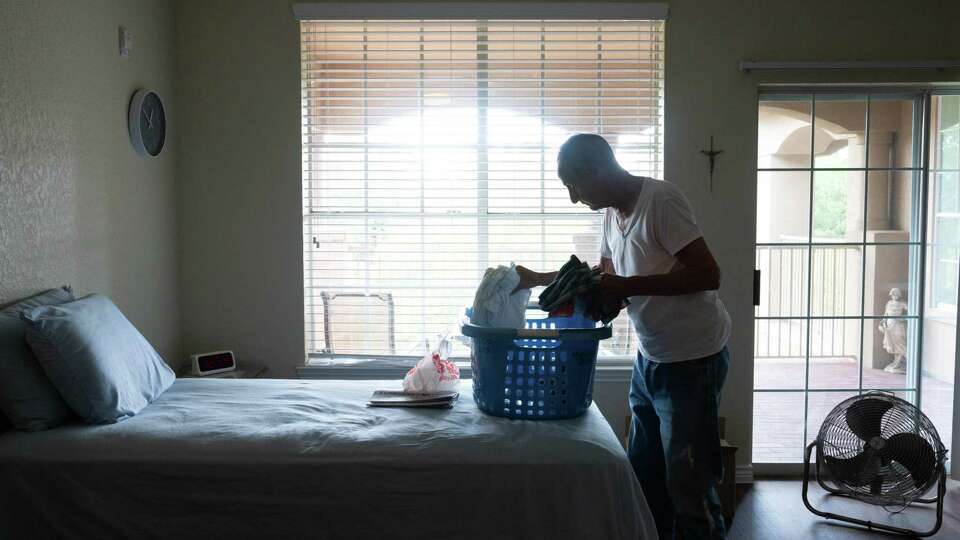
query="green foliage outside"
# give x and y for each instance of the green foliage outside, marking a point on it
(830, 204)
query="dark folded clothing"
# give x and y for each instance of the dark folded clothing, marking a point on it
(576, 283)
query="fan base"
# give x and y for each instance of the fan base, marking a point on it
(941, 491)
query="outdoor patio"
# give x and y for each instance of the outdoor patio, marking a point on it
(778, 433)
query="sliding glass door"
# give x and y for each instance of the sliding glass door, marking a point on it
(858, 234)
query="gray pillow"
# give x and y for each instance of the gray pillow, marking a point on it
(103, 367)
(27, 398)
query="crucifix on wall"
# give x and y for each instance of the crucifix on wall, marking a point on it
(712, 155)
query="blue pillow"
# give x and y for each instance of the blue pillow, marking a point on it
(103, 367)
(27, 398)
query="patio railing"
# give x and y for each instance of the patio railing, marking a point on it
(834, 291)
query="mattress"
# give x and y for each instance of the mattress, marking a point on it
(222, 458)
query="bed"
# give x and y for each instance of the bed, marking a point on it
(218, 458)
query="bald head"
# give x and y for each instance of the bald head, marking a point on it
(587, 167)
(586, 154)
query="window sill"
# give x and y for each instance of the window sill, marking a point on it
(359, 368)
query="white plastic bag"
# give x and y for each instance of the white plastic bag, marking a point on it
(433, 373)
(495, 304)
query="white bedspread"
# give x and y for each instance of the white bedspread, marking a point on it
(220, 458)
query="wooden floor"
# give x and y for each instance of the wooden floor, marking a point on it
(773, 509)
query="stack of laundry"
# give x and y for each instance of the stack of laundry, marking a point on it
(576, 288)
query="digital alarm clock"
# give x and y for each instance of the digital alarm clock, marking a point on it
(212, 362)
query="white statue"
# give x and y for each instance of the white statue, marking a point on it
(895, 332)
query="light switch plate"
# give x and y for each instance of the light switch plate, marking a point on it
(126, 42)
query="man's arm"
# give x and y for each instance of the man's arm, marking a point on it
(530, 279)
(700, 272)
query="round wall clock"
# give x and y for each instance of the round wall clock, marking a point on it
(147, 123)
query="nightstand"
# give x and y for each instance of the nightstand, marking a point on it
(254, 372)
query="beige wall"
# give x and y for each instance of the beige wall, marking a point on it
(239, 197)
(239, 180)
(77, 205)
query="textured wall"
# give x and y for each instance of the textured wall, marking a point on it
(240, 197)
(77, 205)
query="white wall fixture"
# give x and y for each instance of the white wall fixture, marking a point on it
(126, 41)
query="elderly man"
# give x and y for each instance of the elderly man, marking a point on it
(653, 253)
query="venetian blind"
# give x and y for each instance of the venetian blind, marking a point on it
(429, 154)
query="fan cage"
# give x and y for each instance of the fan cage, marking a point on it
(897, 487)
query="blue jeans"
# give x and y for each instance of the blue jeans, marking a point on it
(674, 444)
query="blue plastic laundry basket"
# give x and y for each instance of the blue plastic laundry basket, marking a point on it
(542, 372)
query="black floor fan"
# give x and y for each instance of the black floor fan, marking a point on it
(879, 449)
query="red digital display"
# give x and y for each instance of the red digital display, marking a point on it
(215, 361)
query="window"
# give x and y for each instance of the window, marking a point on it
(429, 154)
(945, 176)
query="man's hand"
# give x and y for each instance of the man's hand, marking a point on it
(612, 288)
(530, 279)
(612, 293)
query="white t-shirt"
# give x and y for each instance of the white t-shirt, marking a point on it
(670, 328)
